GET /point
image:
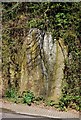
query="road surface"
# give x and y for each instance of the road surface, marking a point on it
(10, 115)
(21, 112)
(5, 114)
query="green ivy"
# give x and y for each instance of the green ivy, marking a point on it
(28, 97)
(62, 20)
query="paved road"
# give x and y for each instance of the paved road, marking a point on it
(11, 115)
(14, 116)
(22, 112)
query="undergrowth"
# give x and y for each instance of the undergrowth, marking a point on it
(28, 98)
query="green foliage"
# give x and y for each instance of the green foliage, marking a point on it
(50, 103)
(39, 98)
(72, 76)
(28, 97)
(62, 20)
(11, 93)
(70, 101)
(36, 23)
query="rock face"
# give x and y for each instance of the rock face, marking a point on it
(40, 63)
(32, 68)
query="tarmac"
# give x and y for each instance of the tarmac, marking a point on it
(38, 111)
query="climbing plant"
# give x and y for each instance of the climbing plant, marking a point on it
(62, 20)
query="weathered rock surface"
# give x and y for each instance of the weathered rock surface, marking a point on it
(41, 63)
